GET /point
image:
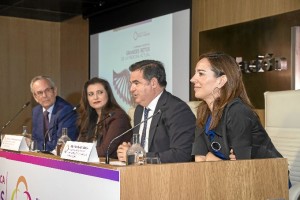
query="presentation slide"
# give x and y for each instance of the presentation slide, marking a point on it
(165, 38)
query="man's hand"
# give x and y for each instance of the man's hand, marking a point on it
(122, 149)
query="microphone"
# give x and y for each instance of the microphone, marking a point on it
(12, 119)
(107, 116)
(55, 125)
(107, 151)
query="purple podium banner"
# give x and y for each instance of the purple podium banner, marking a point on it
(26, 176)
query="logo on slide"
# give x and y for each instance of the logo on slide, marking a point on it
(122, 86)
(21, 189)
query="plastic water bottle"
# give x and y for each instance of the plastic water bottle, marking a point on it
(135, 154)
(27, 136)
(62, 141)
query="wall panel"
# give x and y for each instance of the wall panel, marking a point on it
(211, 14)
(28, 48)
(74, 58)
(33, 47)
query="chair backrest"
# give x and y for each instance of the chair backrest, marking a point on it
(282, 112)
(192, 104)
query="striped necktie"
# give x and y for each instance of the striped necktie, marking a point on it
(146, 111)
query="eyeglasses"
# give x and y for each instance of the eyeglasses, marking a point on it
(47, 91)
(216, 146)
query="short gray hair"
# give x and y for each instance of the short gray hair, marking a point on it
(37, 78)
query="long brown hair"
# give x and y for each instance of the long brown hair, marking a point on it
(88, 115)
(223, 64)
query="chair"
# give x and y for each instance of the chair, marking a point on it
(282, 112)
(194, 106)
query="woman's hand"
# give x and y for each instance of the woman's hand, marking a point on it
(199, 158)
(232, 155)
(211, 157)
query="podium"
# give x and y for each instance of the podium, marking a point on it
(48, 177)
(245, 179)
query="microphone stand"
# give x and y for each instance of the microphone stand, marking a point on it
(107, 116)
(107, 151)
(100, 122)
(47, 135)
(12, 119)
(55, 125)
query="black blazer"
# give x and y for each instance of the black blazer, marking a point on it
(171, 131)
(239, 129)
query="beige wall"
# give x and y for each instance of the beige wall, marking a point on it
(210, 14)
(74, 58)
(32, 47)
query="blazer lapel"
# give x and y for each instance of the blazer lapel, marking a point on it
(155, 120)
(53, 119)
(40, 121)
(137, 117)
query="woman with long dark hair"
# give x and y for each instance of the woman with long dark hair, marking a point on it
(101, 117)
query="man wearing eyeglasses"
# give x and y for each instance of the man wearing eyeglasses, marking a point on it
(51, 115)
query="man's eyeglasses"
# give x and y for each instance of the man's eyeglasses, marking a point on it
(47, 91)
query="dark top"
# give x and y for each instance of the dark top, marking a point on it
(110, 128)
(63, 116)
(172, 131)
(239, 129)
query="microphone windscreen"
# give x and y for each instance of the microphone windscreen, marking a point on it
(76, 107)
(26, 104)
(111, 114)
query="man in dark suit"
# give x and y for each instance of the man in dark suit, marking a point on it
(170, 133)
(51, 115)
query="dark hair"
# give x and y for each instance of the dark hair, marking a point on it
(88, 115)
(151, 69)
(223, 64)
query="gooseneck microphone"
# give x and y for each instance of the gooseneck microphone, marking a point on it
(107, 116)
(99, 127)
(12, 119)
(107, 151)
(53, 126)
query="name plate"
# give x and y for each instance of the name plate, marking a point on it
(14, 143)
(80, 151)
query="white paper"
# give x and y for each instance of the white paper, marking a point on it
(80, 151)
(117, 163)
(14, 143)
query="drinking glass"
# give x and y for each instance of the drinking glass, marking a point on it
(33, 146)
(152, 160)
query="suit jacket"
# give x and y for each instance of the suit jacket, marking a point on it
(63, 116)
(112, 127)
(239, 129)
(171, 131)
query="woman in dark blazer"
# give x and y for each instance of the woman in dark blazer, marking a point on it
(228, 127)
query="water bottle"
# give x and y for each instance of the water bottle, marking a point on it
(62, 141)
(135, 154)
(27, 136)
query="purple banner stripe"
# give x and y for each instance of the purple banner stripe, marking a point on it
(64, 165)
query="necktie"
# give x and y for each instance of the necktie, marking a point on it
(146, 111)
(46, 121)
